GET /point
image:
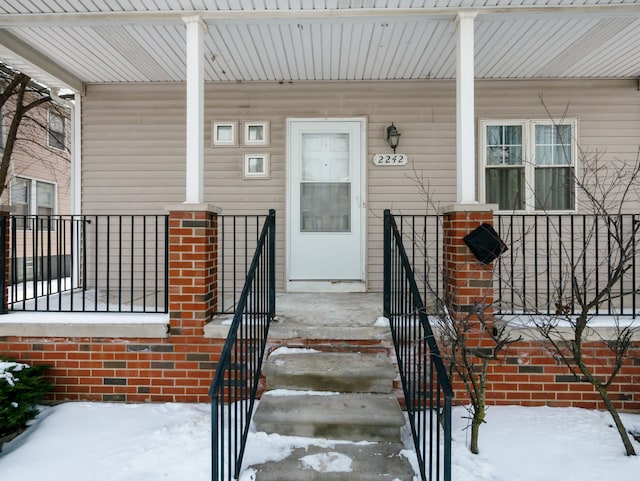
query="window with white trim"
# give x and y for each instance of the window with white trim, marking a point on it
(32, 197)
(57, 131)
(529, 165)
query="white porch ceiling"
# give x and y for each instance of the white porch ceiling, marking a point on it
(70, 42)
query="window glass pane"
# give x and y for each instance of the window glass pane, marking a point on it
(57, 132)
(20, 197)
(562, 154)
(512, 134)
(325, 157)
(45, 210)
(224, 133)
(505, 187)
(563, 134)
(325, 207)
(494, 135)
(553, 145)
(45, 195)
(543, 134)
(20, 191)
(554, 188)
(504, 145)
(256, 132)
(256, 165)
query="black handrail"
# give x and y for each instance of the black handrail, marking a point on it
(427, 390)
(235, 385)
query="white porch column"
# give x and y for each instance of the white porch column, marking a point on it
(76, 155)
(195, 110)
(465, 111)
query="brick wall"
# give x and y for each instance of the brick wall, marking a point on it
(526, 373)
(178, 368)
(131, 370)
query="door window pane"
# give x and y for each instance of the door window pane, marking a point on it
(325, 157)
(325, 207)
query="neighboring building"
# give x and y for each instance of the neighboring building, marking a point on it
(39, 176)
(286, 105)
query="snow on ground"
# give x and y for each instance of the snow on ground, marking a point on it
(139, 442)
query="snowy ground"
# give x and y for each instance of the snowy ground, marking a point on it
(140, 442)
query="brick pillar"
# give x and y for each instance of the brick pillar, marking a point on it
(467, 282)
(192, 268)
(5, 247)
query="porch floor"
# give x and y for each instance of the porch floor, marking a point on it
(324, 316)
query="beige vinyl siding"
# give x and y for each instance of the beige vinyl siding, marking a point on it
(134, 147)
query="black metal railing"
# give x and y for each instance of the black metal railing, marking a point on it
(553, 259)
(89, 263)
(422, 239)
(238, 237)
(4, 227)
(427, 390)
(234, 388)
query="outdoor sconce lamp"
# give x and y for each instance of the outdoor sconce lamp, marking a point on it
(393, 137)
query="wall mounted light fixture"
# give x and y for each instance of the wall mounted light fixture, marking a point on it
(393, 137)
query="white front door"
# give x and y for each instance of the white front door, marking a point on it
(326, 213)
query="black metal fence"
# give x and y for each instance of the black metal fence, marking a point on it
(427, 390)
(555, 263)
(90, 263)
(422, 239)
(238, 237)
(234, 388)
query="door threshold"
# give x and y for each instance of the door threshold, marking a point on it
(326, 286)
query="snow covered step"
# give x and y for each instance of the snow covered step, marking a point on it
(355, 417)
(348, 462)
(330, 371)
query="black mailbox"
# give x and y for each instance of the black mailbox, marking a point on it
(485, 243)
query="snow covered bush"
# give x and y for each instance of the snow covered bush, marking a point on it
(22, 387)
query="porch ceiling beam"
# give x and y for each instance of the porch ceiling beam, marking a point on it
(337, 15)
(41, 62)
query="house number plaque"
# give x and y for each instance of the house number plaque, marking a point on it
(390, 159)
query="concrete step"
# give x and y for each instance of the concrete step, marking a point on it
(350, 416)
(330, 371)
(348, 462)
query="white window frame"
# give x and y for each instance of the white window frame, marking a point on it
(262, 174)
(528, 154)
(216, 129)
(51, 113)
(33, 195)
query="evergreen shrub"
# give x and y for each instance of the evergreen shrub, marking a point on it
(22, 388)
